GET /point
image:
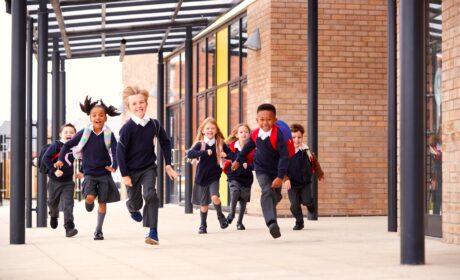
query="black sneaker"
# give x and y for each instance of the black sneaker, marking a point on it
(240, 226)
(137, 216)
(223, 222)
(71, 232)
(298, 227)
(98, 235)
(89, 207)
(230, 218)
(53, 222)
(202, 230)
(274, 230)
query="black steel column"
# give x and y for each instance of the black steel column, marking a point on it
(28, 156)
(412, 131)
(42, 100)
(18, 122)
(392, 120)
(62, 98)
(313, 93)
(160, 117)
(188, 116)
(55, 121)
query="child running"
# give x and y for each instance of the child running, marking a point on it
(97, 146)
(136, 158)
(270, 164)
(209, 149)
(61, 185)
(240, 180)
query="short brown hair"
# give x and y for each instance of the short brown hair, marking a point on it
(67, 125)
(297, 127)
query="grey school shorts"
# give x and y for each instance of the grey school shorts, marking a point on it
(202, 194)
(103, 187)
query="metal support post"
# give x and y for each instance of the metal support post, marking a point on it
(188, 116)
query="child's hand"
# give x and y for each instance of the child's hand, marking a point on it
(277, 183)
(209, 152)
(245, 165)
(223, 155)
(58, 173)
(235, 165)
(79, 175)
(287, 184)
(127, 181)
(59, 164)
(110, 168)
(171, 172)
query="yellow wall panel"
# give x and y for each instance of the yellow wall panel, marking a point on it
(222, 97)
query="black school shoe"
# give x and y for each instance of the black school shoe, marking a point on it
(274, 230)
(69, 232)
(223, 222)
(202, 230)
(53, 222)
(98, 235)
(240, 226)
(89, 207)
(298, 226)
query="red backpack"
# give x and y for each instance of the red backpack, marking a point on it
(284, 128)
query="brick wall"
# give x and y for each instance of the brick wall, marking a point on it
(451, 121)
(352, 94)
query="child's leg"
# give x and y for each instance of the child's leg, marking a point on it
(235, 196)
(203, 217)
(67, 199)
(296, 210)
(242, 210)
(102, 209)
(54, 196)
(267, 199)
(134, 202)
(150, 211)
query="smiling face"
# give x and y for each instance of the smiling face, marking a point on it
(67, 133)
(266, 120)
(297, 138)
(98, 117)
(137, 105)
(209, 130)
(242, 134)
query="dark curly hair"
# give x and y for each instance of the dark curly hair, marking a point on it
(87, 106)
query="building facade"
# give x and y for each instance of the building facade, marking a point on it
(230, 81)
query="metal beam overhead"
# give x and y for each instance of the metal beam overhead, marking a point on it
(64, 38)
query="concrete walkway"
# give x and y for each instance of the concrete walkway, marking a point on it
(331, 248)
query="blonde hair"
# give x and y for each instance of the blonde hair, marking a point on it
(220, 139)
(232, 137)
(133, 90)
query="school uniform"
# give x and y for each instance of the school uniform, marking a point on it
(60, 188)
(208, 172)
(299, 173)
(137, 159)
(268, 165)
(95, 157)
(240, 180)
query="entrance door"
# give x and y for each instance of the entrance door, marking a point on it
(175, 125)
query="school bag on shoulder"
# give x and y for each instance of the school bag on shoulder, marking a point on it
(316, 167)
(228, 163)
(285, 131)
(41, 166)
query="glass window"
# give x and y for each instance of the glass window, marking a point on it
(211, 112)
(195, 69)
(201, 66)
(174, 79)
(182, 75)
(244, 101)
(211, 51)
(201, 108)
(234, 106)
(234, 50)
(244, 50)
(434, 110)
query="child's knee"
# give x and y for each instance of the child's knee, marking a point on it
(90, 198)
(215, 199)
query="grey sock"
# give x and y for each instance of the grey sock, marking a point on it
(100, 221)
(203, 216)
(218, 208)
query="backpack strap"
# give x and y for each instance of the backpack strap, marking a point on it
(274, 137)
(254, 134)
(232, 146)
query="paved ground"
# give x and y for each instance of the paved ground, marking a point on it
(331, 248)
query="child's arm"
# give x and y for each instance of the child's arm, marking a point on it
(248, 147)
(113, 148)
(67, 147)
(122, 145)
(196, 151)
(283, 162)
(165, 144)
(52, 150)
